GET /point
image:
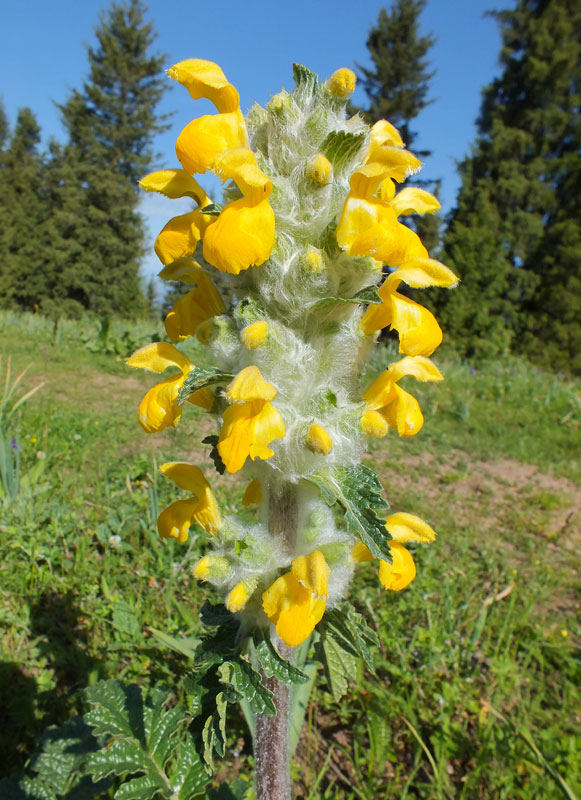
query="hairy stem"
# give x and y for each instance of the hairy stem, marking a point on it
(271, 747)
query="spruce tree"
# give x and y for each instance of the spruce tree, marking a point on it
(525, 167)
(397, 88)
(111, 123)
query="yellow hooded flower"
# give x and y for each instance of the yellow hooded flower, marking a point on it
(403, 527)
(296, 601)
(159, 408)
(243, 235)
(176, 519)
(255, 334)
(419, 333)
(251, 423)
(253, 494)
(319, 441)
(399, 409)
(194, 308)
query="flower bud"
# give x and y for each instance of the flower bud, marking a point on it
(319, 441)
(342, 82)
(209, 567)
(238, 597)
(320, 169)
(253, 493)
(314, 261)
(254, 335)
(374, 424)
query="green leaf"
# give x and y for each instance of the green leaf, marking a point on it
(214, 454)
(213, 209)
(274, 664)
(199, 378)
(230, 791)
(367, 295)
(214, 732)
(144, 788)
(217, 615)
(189, 778)
(341, 147)
(358, 489)
(339, 664)
(245, 680)
(115, 707)
(351, 631)
(184, 645)
(117, 758)
(125, 620)
(304, 79)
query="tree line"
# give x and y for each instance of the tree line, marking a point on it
(72, 237)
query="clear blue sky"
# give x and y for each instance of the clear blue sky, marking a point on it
(43, 57)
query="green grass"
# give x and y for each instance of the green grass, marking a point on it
(478, 658)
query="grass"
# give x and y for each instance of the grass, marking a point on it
(477, 687)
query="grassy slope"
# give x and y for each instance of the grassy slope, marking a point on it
(488, 624)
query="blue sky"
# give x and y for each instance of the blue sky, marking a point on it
(43, 57)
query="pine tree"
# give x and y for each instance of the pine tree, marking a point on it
(97, 229)
(525, 166)
(398, 85)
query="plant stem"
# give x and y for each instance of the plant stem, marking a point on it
(271, 746)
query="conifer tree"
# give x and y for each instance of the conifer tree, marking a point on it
(397, 87)
(111, 124)
(523, 285)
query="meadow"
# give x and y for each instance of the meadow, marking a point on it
(476, 691)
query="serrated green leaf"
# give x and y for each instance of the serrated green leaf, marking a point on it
(274, 664)
(230, 791)
(125, 620)
(339, 664)
(367, 295)
(115, 708)
(304, 79)
(214, 454)
(245, 680)
(217, 615)
(214, 731)
(213, 209)
(199, 378)
(370, 295)
(145, 787)
(117, 758)
(341, 147)
(189, 777)
(351, 631)
(358, 489)
(165, 724)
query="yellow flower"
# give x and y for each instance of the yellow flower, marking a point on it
(320, 169)
(243, 235)
(159, 408)
(398, 408)
(419, 333)
(252, 423)
(254, 335)
(175, 520)
(206, 79)
(253, 494)
(403, 527)
(342, 82)
(319, 441)
(194, 308)
(296, 601)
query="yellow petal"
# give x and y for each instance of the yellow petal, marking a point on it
(319, 169)
(421, 273)
(175, 521)
(241, 237)
(399, 163)
(419, 333)
(365, 225)
(240, 166)
(205, 79)
(381, 391)
(194, 308)
(205, 138)
(253, 493)
(401, 572)
(250, 385)
(377, 316)
(383, 132)
(404, 413)
(374, 424)
(237, 598)
(159, 408)
(247, 430)
(180, 236)
(312, 572)
(182, 269)
(319, 441)
(203, 398)
(254, 335)
(412, 200)
(361, 552)
(175, 183)
(418, 367)
(158, 356)
(186, 476)
(342, 82)
(399, 245)
(408, 528)
(202, 568)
